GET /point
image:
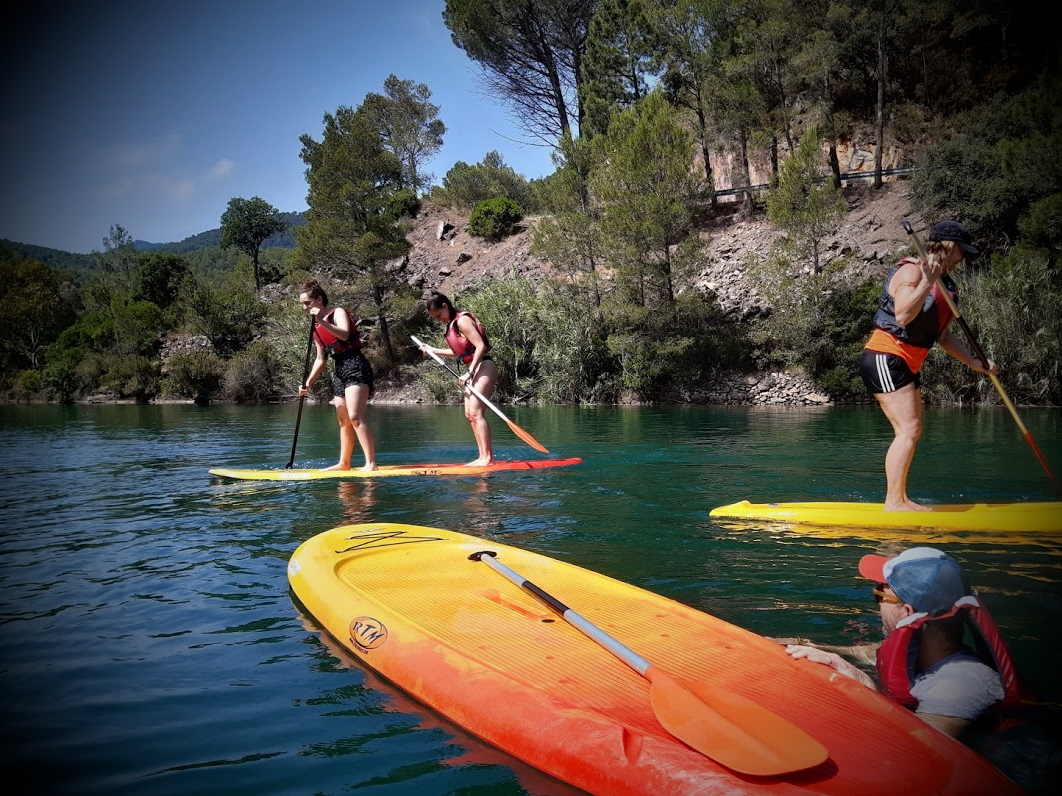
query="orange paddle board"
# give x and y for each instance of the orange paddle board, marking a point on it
(409, 602)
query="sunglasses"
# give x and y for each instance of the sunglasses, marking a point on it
(881, 596)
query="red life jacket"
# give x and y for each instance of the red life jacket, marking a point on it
(899, 652)
(332, 344)
(459, 344)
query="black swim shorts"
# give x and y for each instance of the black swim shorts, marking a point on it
(886, 372)
(350, 369)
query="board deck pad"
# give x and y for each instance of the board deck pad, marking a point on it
(391, 470)
(408, 602)
(1030, 516)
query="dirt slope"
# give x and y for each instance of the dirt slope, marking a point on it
(446, 258)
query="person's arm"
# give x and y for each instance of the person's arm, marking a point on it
(866, 653)
(833, 660)
(340, 325)
(951, 344)
(442, 352)
(909, 287)
(951, 725)
(315, 371)
(467, 327)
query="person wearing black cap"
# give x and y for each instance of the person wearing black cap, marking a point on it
(911, 317)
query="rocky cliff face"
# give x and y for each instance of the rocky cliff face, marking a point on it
(446, 258)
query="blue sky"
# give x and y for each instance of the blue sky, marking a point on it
(153, 116)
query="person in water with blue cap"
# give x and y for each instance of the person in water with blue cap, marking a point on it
(926, 608)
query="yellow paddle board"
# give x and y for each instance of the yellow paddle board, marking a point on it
(418, 606)
(1035, 517)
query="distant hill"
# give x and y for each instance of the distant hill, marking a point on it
(85, 264)
(212, 239)
(58, 259)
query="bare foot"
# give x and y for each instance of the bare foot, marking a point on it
(369, 467)
(906, 505)
(899, 506)
(480, 463)
(339, 466)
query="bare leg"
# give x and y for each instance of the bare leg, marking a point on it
(357, 401)
(346, 436)
(475, 411)
(903, 408)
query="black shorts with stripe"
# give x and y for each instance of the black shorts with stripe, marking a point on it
(350, 369)
(886, 372)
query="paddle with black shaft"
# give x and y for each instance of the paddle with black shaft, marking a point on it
(980, 354)
(730, 729)
(302, 398)
(526, 437)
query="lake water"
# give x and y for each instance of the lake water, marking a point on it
(150, 643)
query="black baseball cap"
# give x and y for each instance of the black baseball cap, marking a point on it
(953, 230)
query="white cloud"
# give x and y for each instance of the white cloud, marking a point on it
(221, 168)
(151, 170)
(116, 190)
(138, 154)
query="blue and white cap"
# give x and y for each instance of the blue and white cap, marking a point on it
(927, 579)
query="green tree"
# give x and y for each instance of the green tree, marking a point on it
(351, 226)
(618, 60)
(409, 125)
(229, 314)
(766, 41)
(802, 204)
(161, 278)
(123, 355)
(465, 186)
(1004, 160)
(648, 192)
(824, 63)
(570, 238)
(691, 36)
(36, 305)
(529, 53)
(245, 224)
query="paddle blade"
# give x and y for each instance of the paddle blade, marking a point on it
(730, 729)
(1043, 461)
(526, 437)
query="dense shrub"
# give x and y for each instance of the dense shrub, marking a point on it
(494, 218)
(405, 203)
(133, 376)
(254, 375)
(62, 380)
(465, 186)
(194, 374)
(29, 384)
(1015, 311)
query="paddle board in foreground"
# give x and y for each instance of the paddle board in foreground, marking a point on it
(420, 607)
(1038, 517)
(392, 470)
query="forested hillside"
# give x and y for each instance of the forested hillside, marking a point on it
(211, 239)
(82, 264)
(674, 124)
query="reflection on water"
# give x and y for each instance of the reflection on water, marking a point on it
(151, 644)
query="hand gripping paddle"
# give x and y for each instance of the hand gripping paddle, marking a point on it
(525, 436)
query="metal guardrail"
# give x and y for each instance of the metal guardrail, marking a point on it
(849, 176)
